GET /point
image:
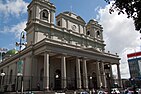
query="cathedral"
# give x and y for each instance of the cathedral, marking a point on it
(63, 53)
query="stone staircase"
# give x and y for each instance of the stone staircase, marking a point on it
(45, 92)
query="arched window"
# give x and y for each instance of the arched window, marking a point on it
(98, 33)
(44, 15)
(88, 32)
(59, 23)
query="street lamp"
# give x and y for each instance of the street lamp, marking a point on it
(57, 76)
(90, 82)
(2, 75)
(20, 63)
(21, 43)
(91, 77)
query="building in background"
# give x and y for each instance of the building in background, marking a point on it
(134, 61)
(68, 55)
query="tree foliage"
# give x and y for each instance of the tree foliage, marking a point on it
(131, 7)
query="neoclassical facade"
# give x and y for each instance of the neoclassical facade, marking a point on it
(62, 53)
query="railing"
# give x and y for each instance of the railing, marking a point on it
(35, 83)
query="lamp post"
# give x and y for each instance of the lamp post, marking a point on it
(90, 82)
(20, 75)
(2, 75)
(20, 63)
(21, 43)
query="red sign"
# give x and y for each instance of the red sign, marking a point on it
(134, 54)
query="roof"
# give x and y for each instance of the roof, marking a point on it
(72, 15)
(12, 52)
(94, 22)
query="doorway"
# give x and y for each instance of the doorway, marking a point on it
(57, 79)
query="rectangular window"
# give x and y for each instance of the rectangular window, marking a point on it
(58, 23)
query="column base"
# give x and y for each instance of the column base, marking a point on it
(49, 92)
(46, 89)
(80, 91)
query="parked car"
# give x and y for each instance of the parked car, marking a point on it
(102, 92)
(138, 90)
(84, 92)
(129, 91)
(115, 91)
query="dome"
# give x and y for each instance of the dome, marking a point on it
(92, 21)
(12, 52)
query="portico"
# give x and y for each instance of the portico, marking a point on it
(72, 69)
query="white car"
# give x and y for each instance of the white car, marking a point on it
(102, 92)
(84, 92)
(115, 91)
(138, 90)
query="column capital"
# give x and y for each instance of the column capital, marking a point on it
(83, 58)
(47, 51)
(99, 60)
(63, 54)
(78, 57)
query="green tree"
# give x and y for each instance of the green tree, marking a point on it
(131, 7)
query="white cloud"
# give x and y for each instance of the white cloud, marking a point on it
(13, 7)
(119, 34)
(17, 29)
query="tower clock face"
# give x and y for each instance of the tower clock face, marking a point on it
(73, 27)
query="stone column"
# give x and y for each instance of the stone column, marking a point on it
(52, 16)
(63, 72)
(103, 75)
(68, 25)
(78, 73)
(79, 29)
(118, 73)
(46, 71)
(84, 30)
(98, 74)
(111, 74)
(85, 77)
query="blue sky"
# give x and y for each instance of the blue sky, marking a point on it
(119, 34)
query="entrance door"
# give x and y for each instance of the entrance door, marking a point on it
(57, 77)
(94, 80)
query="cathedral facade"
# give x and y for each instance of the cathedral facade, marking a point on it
(62, 53)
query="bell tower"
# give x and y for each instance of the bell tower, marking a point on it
(40, 12)
(94, 30)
